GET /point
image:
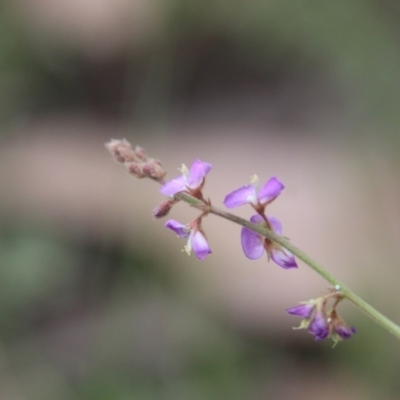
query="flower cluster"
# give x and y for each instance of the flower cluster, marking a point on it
(191, 181)
(195, 236)
(135, 160)
(323, 321)
(318, 318)
(253, 244)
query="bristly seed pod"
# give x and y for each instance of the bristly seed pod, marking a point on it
(136, 161)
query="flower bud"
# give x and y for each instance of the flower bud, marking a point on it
(153, 169)
(140, 154)
(121, 150)
(135, 169)
(163, 209)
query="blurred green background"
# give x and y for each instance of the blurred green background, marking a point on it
(96, 300)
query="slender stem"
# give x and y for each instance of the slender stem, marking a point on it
(348, 293)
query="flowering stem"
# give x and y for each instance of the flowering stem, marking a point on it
(347, 293)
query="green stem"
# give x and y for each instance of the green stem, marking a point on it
(348, 293)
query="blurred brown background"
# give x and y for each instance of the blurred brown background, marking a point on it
(96, 299)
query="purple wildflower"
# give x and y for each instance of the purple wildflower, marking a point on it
(344, 331)
(190, 181)
(339, 328)
(254, 244)
(320, 322)
(250, 195)
(319, 326)
(196, 239)
(303, 310)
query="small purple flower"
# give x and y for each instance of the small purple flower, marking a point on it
(196, 239)
(314, 318)
(254, 244)
(189, 180)
(340, 330)
(319, 321)
(180, 229)
(198, 242)
(250, 195)
(303, 310)
(344, 331)
(319, 326)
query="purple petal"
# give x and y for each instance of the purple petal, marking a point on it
(256, 219)
(303, 310)
(319, 326)
(252, 244)
(345, 331)
(198, 171)
(270, 190)
(283, 258)
(276, 225)
(243, 195)
(174, 186)
(200, 245)
(177, 227)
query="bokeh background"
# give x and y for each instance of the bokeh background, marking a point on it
(96, 299)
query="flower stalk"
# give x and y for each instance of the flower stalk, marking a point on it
(263, 235)
(319, 269)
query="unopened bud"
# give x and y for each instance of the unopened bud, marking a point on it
(163, 209)
(121, 150)
(135, 169)
(140, 154)
(154, 170)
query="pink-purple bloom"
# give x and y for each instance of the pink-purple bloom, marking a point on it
(314, 318)
(344, 331)
(190, 180)
(254, 245)
(303, 310)
(195, 238)
(320, 322)
(249, 194)
(339, 328)
(319, 326)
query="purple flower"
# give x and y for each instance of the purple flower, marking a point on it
(344, 331)
(189, 180)
(180, 229)
(320, 322)
(254, 244)
(339, 328)
(196, 239)
(319, 326)
(314, 318)
(249, 194)
(303, 310)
